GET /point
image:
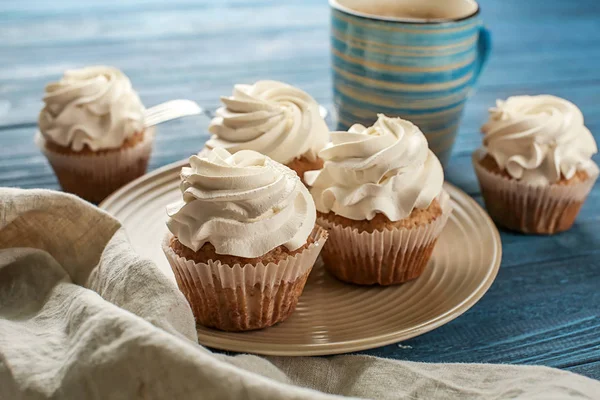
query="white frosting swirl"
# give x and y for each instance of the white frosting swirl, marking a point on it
(270, 117)
(538, 139)
(386, 168)
(93, 106)
(244, 204)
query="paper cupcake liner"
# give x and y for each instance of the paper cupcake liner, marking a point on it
(93, 176)
(385, 257)
(531, 209)
(244, 297)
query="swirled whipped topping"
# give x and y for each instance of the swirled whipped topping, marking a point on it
(93, 106)
(270, 117)
(386, 168)
(538, 139)
(244, 204)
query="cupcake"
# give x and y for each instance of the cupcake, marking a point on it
(275, 119)
(92, 131)
(380, 196)
(242, 239)
(535, 168)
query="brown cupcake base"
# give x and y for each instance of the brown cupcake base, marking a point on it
(390, 269)
(247, 294)
(94, 175)
(89, 187)
(525, 208)
(527, 214)
(244, 308)
(207, 253)
(383, 252)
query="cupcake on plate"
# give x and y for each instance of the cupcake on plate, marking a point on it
(380, 196)
(92, 131)
(242, 239)
(275, 119)
(535, 168)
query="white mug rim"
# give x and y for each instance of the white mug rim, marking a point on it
(335, 4)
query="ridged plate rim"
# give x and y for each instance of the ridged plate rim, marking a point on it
(215, 339)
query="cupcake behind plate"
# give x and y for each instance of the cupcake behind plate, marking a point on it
(275, 119)
(535, 168)
(92, 131)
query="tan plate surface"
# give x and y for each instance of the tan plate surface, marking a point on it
(333, 317)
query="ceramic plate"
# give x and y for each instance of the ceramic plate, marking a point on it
(333, 317)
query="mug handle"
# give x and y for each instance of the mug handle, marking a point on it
(484, 46)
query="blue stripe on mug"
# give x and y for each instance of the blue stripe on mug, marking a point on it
(433, 61)
(418, 89)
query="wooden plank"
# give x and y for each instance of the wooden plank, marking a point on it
(516, 322)
(23, 165)
(544, 306)
(263, 43)
(589, 369)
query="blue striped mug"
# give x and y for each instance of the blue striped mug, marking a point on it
(416, 59)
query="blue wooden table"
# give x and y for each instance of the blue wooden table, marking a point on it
(544, 307)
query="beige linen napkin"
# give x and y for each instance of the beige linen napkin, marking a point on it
(83, 317)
